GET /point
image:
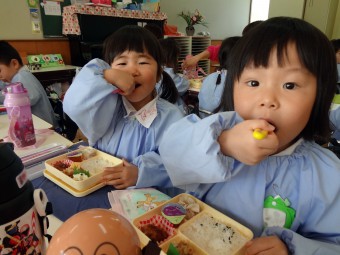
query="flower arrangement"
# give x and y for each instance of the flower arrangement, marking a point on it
(192, 19)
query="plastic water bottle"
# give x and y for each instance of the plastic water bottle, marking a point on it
(18, 107)
(20, 228)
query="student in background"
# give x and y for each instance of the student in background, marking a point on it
(12, 70)
(334, 116)
(212, 51)
(336, 46)
(156, 30)
(280, 82)
(210, 94)
(115, 104)
(171, 52)
(2, 86)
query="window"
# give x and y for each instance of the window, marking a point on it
(259, 10)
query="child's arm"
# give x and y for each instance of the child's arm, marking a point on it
(191, 153)
(122, 80)
(192, 61)
(90, 101)
(181, 83)
(240, 143)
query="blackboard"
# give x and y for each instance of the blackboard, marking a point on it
(52, 25)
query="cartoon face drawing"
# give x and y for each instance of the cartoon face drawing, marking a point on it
(93, 232)
(277, 212)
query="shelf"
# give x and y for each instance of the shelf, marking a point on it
(193, 45)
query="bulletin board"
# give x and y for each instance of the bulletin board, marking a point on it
(51, 22)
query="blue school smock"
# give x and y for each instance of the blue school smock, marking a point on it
(101, 116)
(294, 194)
(2, 96)
(210, 94)
(40, 104)
(334, 116)
(182, 85)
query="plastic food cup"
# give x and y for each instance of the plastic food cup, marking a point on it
(173, 212)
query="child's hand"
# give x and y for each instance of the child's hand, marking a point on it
(122, 176)
(121, 79)
(266, 245)
(239, 142)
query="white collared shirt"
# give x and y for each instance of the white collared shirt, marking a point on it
(145, 115)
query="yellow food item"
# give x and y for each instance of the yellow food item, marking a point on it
(260, 134)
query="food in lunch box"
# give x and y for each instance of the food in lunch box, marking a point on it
(75, 156)
(80, 171)
(157, 228)
(88, 153)
(174, 213)
(96, 165)
(212, 235)
(191, 206)
(155, 233)
(80, 174)
(61, 165)
(195, 83)
(184, 248)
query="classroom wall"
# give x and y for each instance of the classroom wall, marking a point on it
(15, 21)
(291, 8)
(225, 17)
(336, 31)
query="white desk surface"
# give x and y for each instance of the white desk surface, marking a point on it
(4, 124)
(38, 124)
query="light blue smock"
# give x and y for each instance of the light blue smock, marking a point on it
(210, 94)
(2, 96)
(101, 116)
(40, 104)
(334, 116)
(304, 180)
(182, 85)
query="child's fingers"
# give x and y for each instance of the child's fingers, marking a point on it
(125, 162)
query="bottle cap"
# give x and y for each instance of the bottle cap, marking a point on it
(15, 88)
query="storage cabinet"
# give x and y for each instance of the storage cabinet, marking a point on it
(193, 45)
(87, 27)
(321, 13)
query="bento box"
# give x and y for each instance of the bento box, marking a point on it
(79, 170)
(203, 230)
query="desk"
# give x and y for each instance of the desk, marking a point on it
(65, 205)
(37, 122)
(50, 75)
(53, 138)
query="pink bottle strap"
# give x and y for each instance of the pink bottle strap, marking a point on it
(15, 113)
(41, 134)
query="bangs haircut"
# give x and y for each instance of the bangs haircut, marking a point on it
(7, 53)
(171, 52)
(315, 52)
(132, 38)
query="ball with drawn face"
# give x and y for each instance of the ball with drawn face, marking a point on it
(95, 231)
